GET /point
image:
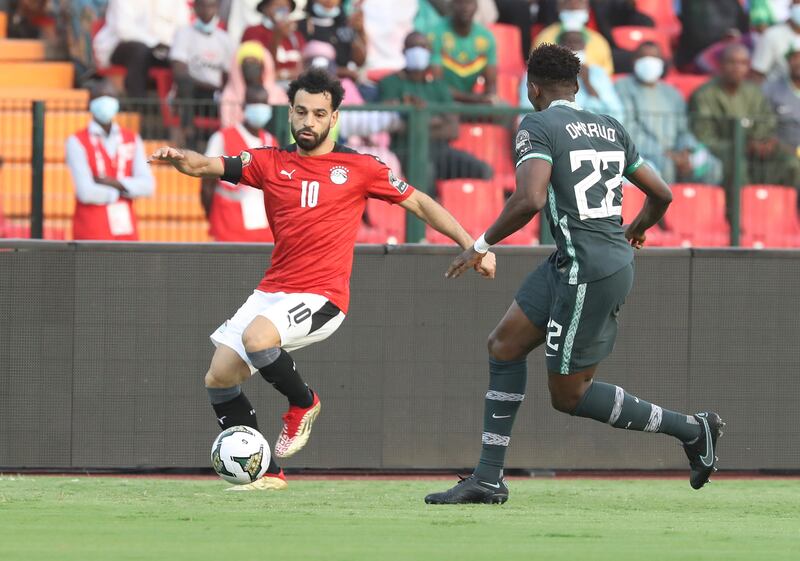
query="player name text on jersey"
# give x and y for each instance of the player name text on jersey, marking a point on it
(595, 130)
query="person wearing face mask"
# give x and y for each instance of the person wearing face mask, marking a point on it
(252, 66)
(415, 85)
(596, 91)
(109, 170)
(656, 119)
(327, 21)
(236, 212)
(199, 55)
(769, 57)
(279, 34)
(573, 15)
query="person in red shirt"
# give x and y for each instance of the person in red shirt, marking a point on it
(279, 35)
(314, 194)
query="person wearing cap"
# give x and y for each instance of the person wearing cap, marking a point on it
(784, 96)
(236, 212)
(279, 34)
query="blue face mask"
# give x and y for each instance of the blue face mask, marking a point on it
(322, 12)
(795, 14)
(257, 115)
(417, 58)
(207, 28)
(574, 20)
(104, 109)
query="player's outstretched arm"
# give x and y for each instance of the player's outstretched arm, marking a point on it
(658, 200)
(189, 162)
(436, 216)
(533, 176)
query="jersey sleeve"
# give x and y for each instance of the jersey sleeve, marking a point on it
(532, 142)
(386, 186)
(249, 167)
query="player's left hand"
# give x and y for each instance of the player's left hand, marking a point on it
(637, 239)
(469, 259)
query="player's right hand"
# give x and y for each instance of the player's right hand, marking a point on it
(469, 259)
(637, 239)
(166, 154)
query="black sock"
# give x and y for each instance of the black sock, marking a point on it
(238, 411)
(281, 372)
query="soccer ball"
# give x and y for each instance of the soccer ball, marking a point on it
(240, 455)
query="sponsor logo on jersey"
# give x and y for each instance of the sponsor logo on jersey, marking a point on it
(397, 183)
(246, 158)
(339, 175)
(523, 142)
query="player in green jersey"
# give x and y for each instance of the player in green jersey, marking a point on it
(571, 164)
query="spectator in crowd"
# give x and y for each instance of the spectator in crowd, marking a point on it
(200, 56)
(432, 12)
(769, 57)
(78, 18)
(236, 212)
(596, 91)
(783, 95)
(705, 22)
(657, 121)
(524, 14)
(138, 35)
(328, 22)
(109, 170)
(252, 67)
(415, 86)
(728, 98)
(464, 51)
(279, 34)
(573, 15)
(387, 22)
(238, 15)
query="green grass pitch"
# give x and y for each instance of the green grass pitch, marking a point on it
(109, 519)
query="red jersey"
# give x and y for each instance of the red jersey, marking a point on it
(314, 205)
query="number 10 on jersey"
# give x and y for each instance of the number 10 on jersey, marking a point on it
(309, 194)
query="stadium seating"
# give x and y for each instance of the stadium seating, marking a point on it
(388, 220)
(685, 83)
(21, 50)
(629, 37)
(527, 235)
(36, 74)
(663, 14)
(697, 215)
(508, 87)
(473, 202)
(21, 98)
(3, 24)
(509, 48)
(632, 202)
(163, 80)
(492, 144)
(769, 216)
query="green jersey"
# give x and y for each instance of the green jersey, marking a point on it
(590, 154)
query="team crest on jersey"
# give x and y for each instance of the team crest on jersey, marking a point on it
(523, 142)
(397, 183)
(339, 175)
(246, 158)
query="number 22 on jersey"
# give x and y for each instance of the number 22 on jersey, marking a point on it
(599, 161)
(309, 194)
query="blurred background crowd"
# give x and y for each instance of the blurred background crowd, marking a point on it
(708, 89)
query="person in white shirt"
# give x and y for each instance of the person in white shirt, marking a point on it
(138, 35)
(200, 56)
(109, 170)
(769, 57)
(236, 213)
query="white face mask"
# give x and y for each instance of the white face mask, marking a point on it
(207, 28)
(794, 14)
(581, 56)
(257, 115)
(574, 20)
(104, 109)
(648, 69)
(417, 58)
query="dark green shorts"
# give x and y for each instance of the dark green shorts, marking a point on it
(580, 320)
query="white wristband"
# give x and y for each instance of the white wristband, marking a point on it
(480, 245)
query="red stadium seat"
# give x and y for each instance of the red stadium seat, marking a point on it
(508, 88)
(769, 216)
(663, 14)
(632, 202)
(629, 37)
(528, 235)
(685, 83)
(473, 202)
(508, 40)
(492, 144)
(697, 215)
(388, 219)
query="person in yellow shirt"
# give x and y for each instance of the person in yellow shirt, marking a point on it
(573, 15)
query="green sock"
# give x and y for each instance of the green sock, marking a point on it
(613, 405)
(506, 392)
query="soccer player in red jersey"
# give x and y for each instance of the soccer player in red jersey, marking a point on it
(314, 193)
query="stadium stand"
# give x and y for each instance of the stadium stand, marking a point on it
(473, 202)
(630, 37)
(769, 216)
(697, 215)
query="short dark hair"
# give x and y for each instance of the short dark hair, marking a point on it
(553, 65)
(318, 80)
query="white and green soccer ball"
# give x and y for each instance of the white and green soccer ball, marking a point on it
(240, 455)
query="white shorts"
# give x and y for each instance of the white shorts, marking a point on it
(301, 319)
